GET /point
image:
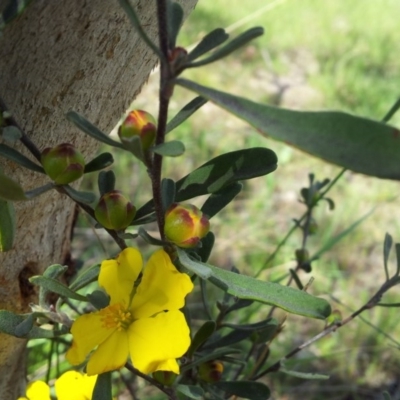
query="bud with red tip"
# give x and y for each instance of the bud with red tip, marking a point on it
(63, 163)
(139, 123)
(211, 371)
(185, 225)
(114, 211)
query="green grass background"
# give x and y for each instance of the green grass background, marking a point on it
(315, 54)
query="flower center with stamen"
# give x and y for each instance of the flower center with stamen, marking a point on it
(116, 316)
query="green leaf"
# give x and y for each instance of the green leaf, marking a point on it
(386, 396)
(53, 271)
(56, 287)
(227, 340)
(387, 245)
(392, 111)
(103, 160)
(10, 190)
(88, 276)
(245, 287)
(150, 239)
(103, 387)
(106, 182)
(8, 225)
(208, 43)
(174, 148)
(30, 194)
(9, 323)
(335, 239)
(14, 155)
(80, 197)
(252, 327)
(304, 375)
(11, 133)
(207, 244)
(191, 391)
(134, 146)
(167, 193)
(230, 47)
(98, 299)
(214, 355)
(360, 144)
(85, 126)
(245, 389)
(204, 332)
(185, 113)
(23, 329)
(175, 18)
(220, 199)
(220, 172)
(397, 249)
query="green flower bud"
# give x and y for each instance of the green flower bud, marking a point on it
(185, 225)
(302, 256)
(139, 123)
(166, 378)
(63, 163)
(114, 211)
(312, 227)
(211, 371)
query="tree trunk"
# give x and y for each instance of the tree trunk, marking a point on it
(59, 56)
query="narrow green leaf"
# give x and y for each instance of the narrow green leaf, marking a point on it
(397, 248)
(174, 148)
(53, 271)
(103, 160)
(88, 276)
(11, 133)
(10, 189)
(245, 287)
(80, 197)
(56, 287)
(245, 389)
(200, 269)
(150, 239)
(106, 182)
(227, 340)
(392, 111)
(220, 199)
(191, 391)
(230, 47)
(185, 113)
(134, 146)
(360, 144)
(208, 43)
(387, 245)
(204, 332)
(30, 194)
(85, 126)
(337, 238)
(103, 387)
(167, 193)
(98, 299)
(23, 328)
(175, 18)
(386, 396)
(14, 155)
(214, 355)
(304, 375)
(8, 225)
(252, 327)
(207, 244)
(238, 304)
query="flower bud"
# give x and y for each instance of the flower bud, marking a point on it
(114, 211)
(211, 371)
(138, 123)
(63, 163)
(166, 378)
(303, 259)
(185, 225)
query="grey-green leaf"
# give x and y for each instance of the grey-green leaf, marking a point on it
(103, 387)
(360, 144)
(203, 333)
(56, 287)
(14, 155)
(209, 42)
(103, 160)
(89, 275)
(80, 197)
(174, 148)
(10, 189)
(191, 391)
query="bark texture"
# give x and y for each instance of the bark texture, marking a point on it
(58, 56)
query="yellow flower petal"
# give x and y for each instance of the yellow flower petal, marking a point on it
(162, 287)
(110, 355)
(88, 331)
(72, 385)
(155, 342)
(38, 390)
(118, 276)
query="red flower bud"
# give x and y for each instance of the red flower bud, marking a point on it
(211, 371)
(138, 123)
(114, 211)
(63, 163)
(185, 225)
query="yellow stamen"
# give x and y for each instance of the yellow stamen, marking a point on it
(116, 316)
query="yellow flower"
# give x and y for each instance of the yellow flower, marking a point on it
(71, 385)
(148, 326)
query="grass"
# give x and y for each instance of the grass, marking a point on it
(331, 54)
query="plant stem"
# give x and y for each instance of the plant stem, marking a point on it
(165, 93)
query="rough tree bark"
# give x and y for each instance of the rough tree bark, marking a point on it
(57, 56)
